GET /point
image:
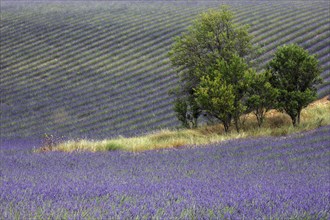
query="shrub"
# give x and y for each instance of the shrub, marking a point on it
(295, 73)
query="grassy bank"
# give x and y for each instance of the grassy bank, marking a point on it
(276, 124)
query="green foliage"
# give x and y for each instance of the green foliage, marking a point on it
(181, 109)
(217, 98)
(222, 91)
(295, 73)
(262, 96)
(187, 111)
(212, 37)
(237, 74)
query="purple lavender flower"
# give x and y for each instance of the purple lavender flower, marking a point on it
(281, 177)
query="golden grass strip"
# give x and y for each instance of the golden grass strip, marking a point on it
(276, 124)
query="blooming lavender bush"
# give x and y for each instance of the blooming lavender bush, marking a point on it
(264, 178)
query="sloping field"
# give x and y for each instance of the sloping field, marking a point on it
(261, 178)
(100, 69)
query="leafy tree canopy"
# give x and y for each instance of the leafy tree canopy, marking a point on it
(213, 36)
(262, 96)
(295, 73)
(222, 90)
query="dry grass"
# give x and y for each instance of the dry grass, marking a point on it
(315, 115)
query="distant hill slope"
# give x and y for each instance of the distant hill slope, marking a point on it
(100, 69)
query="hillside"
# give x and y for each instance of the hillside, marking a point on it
(100, 69)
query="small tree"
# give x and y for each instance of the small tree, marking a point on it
(262, 96)
(225, 82)
(295, 73)
(212, 36)
(217, 98)
(236, 73)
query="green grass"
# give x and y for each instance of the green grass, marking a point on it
(276, 124)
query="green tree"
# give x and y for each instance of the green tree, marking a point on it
(223, 90)
(295, 73)
(217, 98)
(212, 36)
(262, 96)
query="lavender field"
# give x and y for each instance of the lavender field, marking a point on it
(100, 69)
(264, 178)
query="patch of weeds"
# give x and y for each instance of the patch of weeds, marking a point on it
(49, 142)
(279, 132)
(112, 146)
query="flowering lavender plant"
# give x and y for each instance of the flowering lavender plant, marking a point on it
(265, 178)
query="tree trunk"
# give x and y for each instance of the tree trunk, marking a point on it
(226, 126)
(194, 122)
(236, 121)
(260, 120)
(260, 117)
(298, 117)
(294, 121)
